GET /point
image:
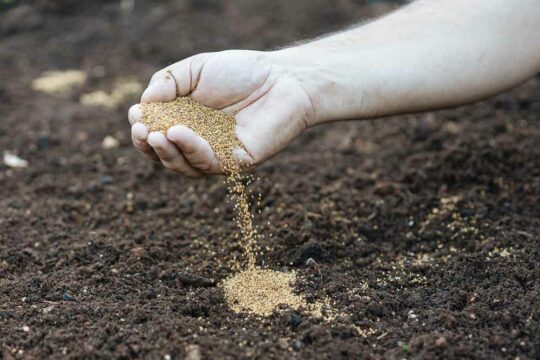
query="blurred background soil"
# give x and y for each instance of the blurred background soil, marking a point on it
(423, 230)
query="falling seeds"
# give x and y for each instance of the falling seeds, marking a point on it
(218, 128)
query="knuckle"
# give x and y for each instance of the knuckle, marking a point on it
(157, 76)
(138, 143)
(150, 155)
(166, 158)
(143, 151)
(194, 175)
(205, 167)
(170, 166)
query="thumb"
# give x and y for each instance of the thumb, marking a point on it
(176, 80)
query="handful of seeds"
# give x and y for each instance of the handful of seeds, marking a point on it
(216, 126)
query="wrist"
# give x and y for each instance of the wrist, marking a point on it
(333, 77)
(313, 75)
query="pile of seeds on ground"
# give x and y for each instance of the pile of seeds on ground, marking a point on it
(253, 290)
(261, 291)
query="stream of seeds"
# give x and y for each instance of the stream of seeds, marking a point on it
(253, 290)
(217, 127)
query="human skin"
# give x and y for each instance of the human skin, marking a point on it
(429, 55)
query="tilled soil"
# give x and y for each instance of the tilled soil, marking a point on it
(422, 229)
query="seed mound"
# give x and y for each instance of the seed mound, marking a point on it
(261, 292)
(218, 128)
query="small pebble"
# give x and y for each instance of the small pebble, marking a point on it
(294, 319)
(440, 342)
(298, 344)
(43, 142)
(14, 161)
(110, 142)
(105, 180)
(193, 352)
(311, 249)
(195, 280)
(283, 343)
(67, 297)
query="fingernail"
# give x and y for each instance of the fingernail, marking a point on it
(134, 114)
(139, 131)
(174, 132)
(159, 91)
(152, 138)
(149, 93)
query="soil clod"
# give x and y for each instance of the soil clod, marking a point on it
(67, 297)
(195, 280)
(310, 250)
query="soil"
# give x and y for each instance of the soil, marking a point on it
(422, 230)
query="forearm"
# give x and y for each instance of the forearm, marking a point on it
(431, 54)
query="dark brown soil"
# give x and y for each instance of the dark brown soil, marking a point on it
(86, 271)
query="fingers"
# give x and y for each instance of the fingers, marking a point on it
(134, 114)
(170, 156)
(176, 80)
(195, 149)
(243, 158)
(139, 134)
(156, 146)
(181, 150)
(162, 88)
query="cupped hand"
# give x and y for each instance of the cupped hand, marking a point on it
(267, 100)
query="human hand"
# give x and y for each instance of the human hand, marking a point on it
(267, 100)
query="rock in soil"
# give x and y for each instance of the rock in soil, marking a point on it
(195, 280)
